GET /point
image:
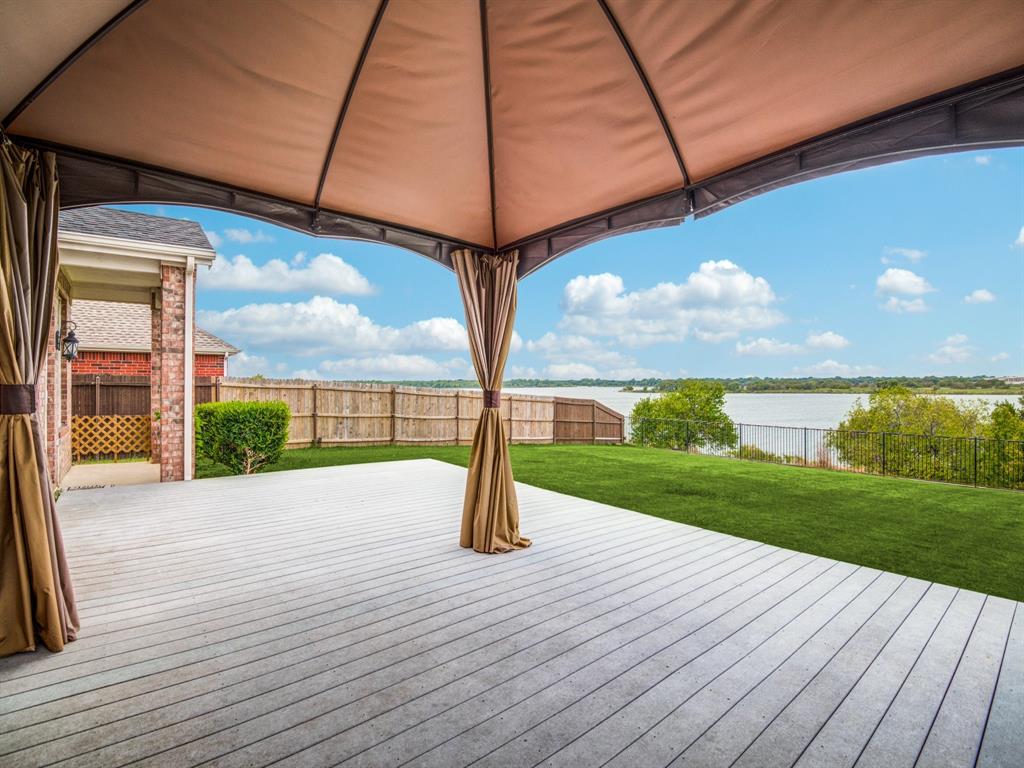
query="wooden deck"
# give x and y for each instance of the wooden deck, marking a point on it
(328, 617)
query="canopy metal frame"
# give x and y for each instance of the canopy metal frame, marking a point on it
(985, 114)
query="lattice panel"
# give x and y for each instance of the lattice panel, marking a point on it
(109, 436)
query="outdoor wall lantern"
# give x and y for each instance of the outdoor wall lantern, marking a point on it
(69, 347)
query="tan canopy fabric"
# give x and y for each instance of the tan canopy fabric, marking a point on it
(36, 596)
(539, 125)
(490, 514)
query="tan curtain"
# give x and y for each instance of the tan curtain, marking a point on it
(36, 597)
(490, 514)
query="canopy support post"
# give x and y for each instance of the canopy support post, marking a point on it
(490, 512)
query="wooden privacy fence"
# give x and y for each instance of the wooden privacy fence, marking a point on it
(345, 413)
(110, 436)
(105, 394)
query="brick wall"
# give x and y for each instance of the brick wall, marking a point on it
(138, 364)
(113, 363)
(209, 365)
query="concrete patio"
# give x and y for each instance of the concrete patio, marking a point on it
(325, 617)
(106, 474)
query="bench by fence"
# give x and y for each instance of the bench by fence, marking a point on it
(347, 413)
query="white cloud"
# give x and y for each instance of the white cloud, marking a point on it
(563, 352)
(244, 364)
(827, 340)
(955, 349)
(892, 254)
(905, 306)
(979, 296)
(571, 371)
(999, 357)
(246, 236)
(568, 348)
(323, 325)
(307, 374)
(902, 281)
(983, 159)
(395, 366)
(522, 372)
(1019, 242)
(215, 240)
(763, 346)
(835, 368)
(435, 333)
(325, 273)
(636, 372)
(719, 301)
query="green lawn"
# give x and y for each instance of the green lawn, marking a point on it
(967, 537)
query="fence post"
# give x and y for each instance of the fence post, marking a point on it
(883, 454)
(593, 422)
(805, 446)
(686, 429)
(216, 389)
(96, 395)
(975, 461)
(316, 437)
(739, 451)
(393, 435)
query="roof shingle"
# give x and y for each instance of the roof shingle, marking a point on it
(112, 325)
(129, 225)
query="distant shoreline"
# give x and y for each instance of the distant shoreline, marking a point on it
(851, 391)
(833, 385)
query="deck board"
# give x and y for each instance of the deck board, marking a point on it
(327, 617)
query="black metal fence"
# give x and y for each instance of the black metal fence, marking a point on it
(975, 461)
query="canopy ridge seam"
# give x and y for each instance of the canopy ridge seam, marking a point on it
(346, 102)
(655, 102)
(57, 71)
(486, 53)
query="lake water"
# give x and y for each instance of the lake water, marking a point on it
(792, 410)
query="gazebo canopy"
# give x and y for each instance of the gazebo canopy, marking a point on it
(493, 124)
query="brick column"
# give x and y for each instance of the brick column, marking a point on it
(155, 358)
(45, 396)
(55, 418)
(171, 348)
(63, 458)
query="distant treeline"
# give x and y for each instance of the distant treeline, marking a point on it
(855, 384)
(944, 384)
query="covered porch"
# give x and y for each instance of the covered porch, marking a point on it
(328, 616)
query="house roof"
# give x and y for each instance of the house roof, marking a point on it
(117, 326)
(129, 225)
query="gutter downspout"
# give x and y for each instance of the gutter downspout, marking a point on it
(189, 431)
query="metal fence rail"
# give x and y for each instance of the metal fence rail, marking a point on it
(978, 461)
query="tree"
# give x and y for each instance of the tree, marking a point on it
(898, 410)
(906, 434)
(1007, 421)
(691, 414)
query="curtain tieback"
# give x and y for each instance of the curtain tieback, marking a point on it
(17, 398)
(492, 398)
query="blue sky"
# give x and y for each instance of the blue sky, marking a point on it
(907, 269)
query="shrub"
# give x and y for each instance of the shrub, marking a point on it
(691, 415)
(244, 437)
